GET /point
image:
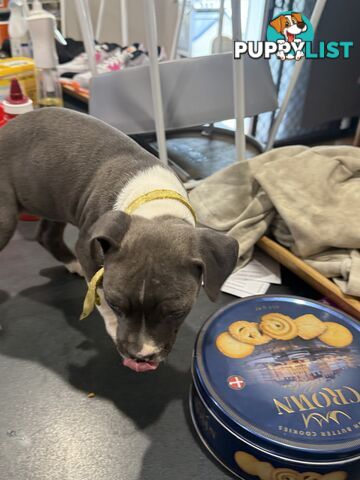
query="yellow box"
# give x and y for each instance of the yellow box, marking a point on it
(21, 68)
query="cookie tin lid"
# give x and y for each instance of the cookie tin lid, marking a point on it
(295, 397)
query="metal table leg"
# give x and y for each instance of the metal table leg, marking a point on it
(239, 84)
(220, 26)
(151, 31)
(83, 12)
(124, 23)
(99, 22)
(179, 20)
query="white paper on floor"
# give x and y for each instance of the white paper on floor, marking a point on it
(255, 278)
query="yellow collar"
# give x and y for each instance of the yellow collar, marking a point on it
(92, 298)
(159, 195)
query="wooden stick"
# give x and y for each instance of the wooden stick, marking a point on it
(349, 304)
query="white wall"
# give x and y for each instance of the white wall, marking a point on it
(166, 19)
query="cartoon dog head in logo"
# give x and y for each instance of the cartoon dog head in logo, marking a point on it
(289, 26)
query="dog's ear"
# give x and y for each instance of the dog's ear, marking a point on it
(218, 255)
(108, 231)
(297, 17)
(278, 23)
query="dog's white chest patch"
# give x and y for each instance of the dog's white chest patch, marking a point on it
(154, 178)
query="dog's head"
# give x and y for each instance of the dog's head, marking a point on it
(153, 272)
(289, 25)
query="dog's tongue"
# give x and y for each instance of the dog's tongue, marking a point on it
(291, 37)
(140, 366)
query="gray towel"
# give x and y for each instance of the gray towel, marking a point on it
(308, 197)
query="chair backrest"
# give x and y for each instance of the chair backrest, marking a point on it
(194, 91)
(339, 96)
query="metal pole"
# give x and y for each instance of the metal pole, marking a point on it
(151, 31)
(239, 85)
(253, 29)
(83, 12)
(179, 21)
(124, 23)
(220, 26)
(265, 19)
(63, 17)
(100, 20)
(315, 17)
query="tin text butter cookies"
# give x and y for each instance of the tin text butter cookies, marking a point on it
(231, 347)
(336, 335)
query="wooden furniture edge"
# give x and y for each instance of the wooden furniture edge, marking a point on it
(349, 304)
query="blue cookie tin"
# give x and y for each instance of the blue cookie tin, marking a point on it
(288, 409)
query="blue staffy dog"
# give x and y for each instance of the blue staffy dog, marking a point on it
(134, 220)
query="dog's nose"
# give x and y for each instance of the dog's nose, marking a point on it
(147, 351)
(301, 25)
(147, 358)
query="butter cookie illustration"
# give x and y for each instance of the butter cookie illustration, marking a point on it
(285, 474)
(278, 326)
(335, 476)
(311, 476)
(248, 463)
(236, 328)
(231, 347)
(336, 335)
(309, 326)
(247, 332)
(264, 470)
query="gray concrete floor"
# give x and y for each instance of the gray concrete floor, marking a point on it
(137, 425)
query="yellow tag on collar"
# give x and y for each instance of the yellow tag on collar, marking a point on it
(159, 195)
(92, 298)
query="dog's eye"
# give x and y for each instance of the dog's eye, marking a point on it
(172, 317)
(287, 24)
(114, 307)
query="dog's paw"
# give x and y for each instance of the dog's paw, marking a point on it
(74, 267)
(299, 55)
(281, 55)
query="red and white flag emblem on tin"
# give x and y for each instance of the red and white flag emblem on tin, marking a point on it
(235, 382)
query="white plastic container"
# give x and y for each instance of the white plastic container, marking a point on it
(42, 27)
(18, 30)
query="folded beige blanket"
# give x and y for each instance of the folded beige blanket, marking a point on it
(309, 198)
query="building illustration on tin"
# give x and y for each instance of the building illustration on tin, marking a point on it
(300, 363)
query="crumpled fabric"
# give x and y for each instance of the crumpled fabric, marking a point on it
(308, 198)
